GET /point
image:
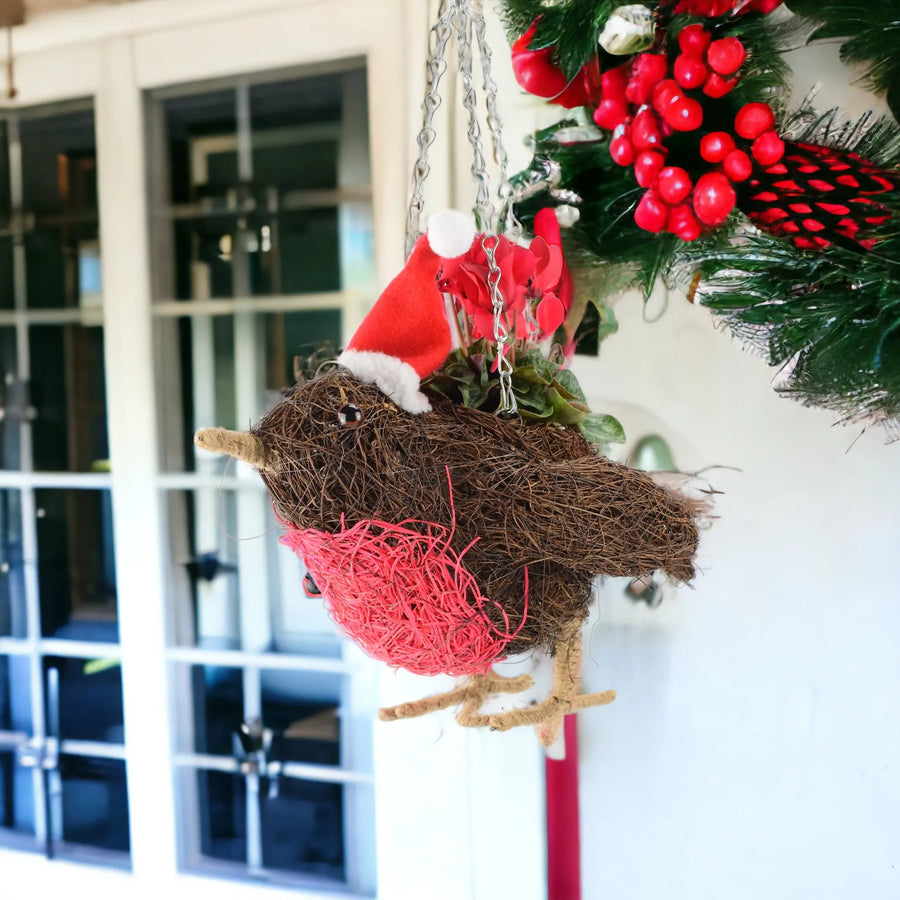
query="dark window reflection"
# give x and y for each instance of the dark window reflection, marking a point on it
(15, 696)
(218, 708)
(69, 396)
(90, 699)
(223, 816)
(16, 793)
(7, 296)
(13, 399)
(12, 571)
(302, 709)
(76, 567)
(303, 828)
(4, 170)
(59, 177)
(95, 802)
(16, 796)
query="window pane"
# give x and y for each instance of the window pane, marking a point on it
(202, 350)
(59, 162)
(7, 297)
(303, 828)
(189, 120)
(309, 245)
(16, 796)
(62, 266)
(15, 694)
(4, 169)
(76, 567)
(303, 711)
(59, 176)
(206, 543)
(68, 393)
(223, 816)
(13, 400)
(95, 803)
(90, 699)
(296, 103)
(16, 792)
(227, 255)
(12, 572)
(218, 708)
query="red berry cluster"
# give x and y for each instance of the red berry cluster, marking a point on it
(643, 103)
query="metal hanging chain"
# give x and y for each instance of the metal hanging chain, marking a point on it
(512, 227)
(484, 206)
(437, 65)
(461, 17)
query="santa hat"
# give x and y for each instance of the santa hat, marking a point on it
(406, 335)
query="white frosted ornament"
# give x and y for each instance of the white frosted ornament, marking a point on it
(630, 29)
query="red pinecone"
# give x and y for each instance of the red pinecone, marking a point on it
(817, 196)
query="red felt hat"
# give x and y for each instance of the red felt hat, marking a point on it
(406, 335)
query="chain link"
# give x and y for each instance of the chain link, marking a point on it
(437, 65)
(464, 18)
(512, 227)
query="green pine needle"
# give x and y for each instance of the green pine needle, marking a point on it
(870, 30)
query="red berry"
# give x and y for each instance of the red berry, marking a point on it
(753, 119)
(647, 166)
(737, 166)
(681, 222)
(690, 72)
(694, 40)
(645, 130)
(647, 71)
(613, 83)
(610, 113)
(684, 115)
(716, 86)
(650, 67)
(768, 148)
(726, 55)
(673, 184)
(621, 151)
(651, 213)
(665, 93)
(713, 198)
(714, 146)
(638, 91)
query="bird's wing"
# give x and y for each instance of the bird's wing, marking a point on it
(592, 514)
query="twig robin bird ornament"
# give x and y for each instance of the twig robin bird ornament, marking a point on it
(445, 538)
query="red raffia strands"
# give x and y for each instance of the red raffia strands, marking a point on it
(405, 596)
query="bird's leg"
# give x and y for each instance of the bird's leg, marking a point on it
(471, 695)
(564, 698)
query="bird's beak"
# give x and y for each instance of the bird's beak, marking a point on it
(241, 445)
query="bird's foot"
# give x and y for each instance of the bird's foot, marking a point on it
(471, 695)
(547, 716)
(565, 696)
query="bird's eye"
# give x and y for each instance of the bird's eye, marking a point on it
(349, 415)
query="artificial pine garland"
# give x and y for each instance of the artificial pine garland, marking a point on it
(677, 157)
(871, 33)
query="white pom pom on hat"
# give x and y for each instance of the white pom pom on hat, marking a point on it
(450, 233)
(406, 335)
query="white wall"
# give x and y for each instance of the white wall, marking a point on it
(752, 751)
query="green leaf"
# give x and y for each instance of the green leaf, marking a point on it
(603, 430)
(567, 379)
(608, 323)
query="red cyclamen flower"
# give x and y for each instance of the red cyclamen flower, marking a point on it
(535, 285)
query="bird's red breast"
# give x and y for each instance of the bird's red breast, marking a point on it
(403, 594)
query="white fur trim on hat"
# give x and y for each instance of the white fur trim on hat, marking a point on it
(450, 233)
(394, 377)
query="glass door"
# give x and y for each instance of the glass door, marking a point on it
(263, 238)
(62, 758)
